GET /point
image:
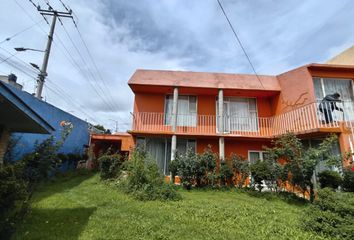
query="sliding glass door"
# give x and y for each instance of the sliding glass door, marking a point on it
(325, 86)
(186, 110)
(240, 114)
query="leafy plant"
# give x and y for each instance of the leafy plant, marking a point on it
(226, 173)
(331, 179)
(188, 168)
(260, 172)
(207, 163)
(110, 165)
(13, 190)
(348, 179)
(331, 214)
(144, 181)
(241, 167)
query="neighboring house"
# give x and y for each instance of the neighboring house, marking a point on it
(17, 116)
(76, 141)
(344, 58)
(237, 113)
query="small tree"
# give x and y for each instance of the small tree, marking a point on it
(188, 168)
(241, 169)
(260, 171)
(226, 173)
(207, 162)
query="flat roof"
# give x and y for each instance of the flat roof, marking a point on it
(203, 80)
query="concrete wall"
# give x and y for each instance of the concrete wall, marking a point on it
(78, 137)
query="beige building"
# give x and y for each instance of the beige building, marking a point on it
(344, 58)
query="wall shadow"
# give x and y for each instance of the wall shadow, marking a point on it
(58, 223)
(61, 183)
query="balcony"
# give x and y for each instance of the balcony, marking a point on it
(309, 118)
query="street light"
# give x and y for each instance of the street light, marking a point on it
(35, 66)
(22, 49)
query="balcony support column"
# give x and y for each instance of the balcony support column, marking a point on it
(222, 149)
(221, 124)
(221, 111)
(174, 127)
(174, 109)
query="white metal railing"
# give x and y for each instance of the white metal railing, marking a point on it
(306, 118)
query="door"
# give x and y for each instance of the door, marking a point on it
(227, 117)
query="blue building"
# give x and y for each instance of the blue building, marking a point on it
(56, 118)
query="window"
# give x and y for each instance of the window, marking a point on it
(240, 114)
(184, 144)
(325, 86)
(254, 156)
(186, 110)
(159, 149)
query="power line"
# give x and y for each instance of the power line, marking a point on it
(240, 43)
(6, 59)
(107, 90)
(59, 94)
(89, 70)
(94, 64)
(20, 32)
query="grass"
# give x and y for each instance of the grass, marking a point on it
(83, 207)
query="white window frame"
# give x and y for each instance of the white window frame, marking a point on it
(189, 102)
(261, 154)
(227, 99)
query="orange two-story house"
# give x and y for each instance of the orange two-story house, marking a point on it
(238, 113)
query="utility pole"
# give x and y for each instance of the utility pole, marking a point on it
(116, 122)
(43, 71)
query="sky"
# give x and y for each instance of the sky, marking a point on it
(122, 36)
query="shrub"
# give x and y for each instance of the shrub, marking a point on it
(331, 214)
(144, 181)
(207, 164)
(331, 179)
(110, 165)
(12, 190)
(188, 168)
(348, 180)
(260, 172)
(241, 168)
(226, 173)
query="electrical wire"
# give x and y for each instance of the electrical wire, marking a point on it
(239, 42)
(20, 32)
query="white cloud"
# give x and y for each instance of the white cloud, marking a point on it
(172, 34)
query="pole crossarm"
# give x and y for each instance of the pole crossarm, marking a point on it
(55, 15)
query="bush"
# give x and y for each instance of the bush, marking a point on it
(12, 191)
(144, 181)
(260, 172)
(196, 169)
(331, 179)
(188, 168)
(241, 168)
(348, 180)
(110, 166)
(226, 173)
(331, 214)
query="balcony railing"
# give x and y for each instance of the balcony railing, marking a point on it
(301, 120)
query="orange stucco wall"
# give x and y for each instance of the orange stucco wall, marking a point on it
(241, 147)
(296, 90)
(203, 144)
(206, 105)
(147, 102)
(232, 146)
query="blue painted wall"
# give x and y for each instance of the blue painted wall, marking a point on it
(78, 137)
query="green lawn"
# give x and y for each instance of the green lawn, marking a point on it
(82, 207)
